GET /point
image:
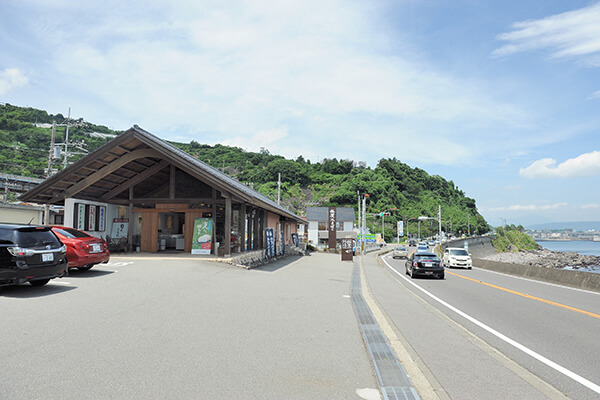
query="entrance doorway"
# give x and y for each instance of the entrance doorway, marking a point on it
(171, 231)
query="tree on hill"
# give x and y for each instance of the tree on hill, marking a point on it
(392, 184)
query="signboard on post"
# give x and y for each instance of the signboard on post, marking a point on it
(347, 245)
(331, 222)
(202, 239)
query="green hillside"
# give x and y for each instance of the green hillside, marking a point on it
(391, 184)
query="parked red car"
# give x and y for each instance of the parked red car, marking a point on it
(83, 250)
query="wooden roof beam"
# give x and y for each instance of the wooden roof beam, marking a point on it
(135, 180)
(108, 169)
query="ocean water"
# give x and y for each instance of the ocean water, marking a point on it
(583, 247)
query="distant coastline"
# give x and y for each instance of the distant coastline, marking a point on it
(564, 240)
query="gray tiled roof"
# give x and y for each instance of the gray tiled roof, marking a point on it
(226, 179)
(320, 213)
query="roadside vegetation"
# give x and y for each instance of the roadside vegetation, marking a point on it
(513, 238)
(393, 186)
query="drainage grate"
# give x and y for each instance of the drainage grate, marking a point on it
(393, 380)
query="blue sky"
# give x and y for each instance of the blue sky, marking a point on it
(501, 97)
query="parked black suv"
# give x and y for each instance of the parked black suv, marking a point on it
(30, 253)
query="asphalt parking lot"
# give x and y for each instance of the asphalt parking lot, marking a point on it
(183, 328)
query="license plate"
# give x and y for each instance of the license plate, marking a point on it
(428, 272)
(46, 257)
(428, 264)
(96, 248)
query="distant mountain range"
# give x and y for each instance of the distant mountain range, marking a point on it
(582, 226)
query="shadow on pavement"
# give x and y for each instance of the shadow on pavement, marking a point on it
(278, 264)
(90, 273)
(27, 291)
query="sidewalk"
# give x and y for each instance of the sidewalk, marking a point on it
(443, 360)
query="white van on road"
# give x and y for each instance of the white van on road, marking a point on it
(455, 257)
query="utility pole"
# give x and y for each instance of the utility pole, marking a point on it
(278, 188)
(469, 224)
(364, 223)
(358, 221)
(440, 222)
(51, 153)
(67, 140)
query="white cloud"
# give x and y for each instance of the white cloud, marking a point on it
(530, 207)
(570, 34)
(595, 95)
(592, 206)
(12, 78)
(260, 139)
(587, 164)
(230, 69)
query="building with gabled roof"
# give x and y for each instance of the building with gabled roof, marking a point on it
(141, 188)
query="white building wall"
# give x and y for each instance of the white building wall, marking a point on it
(313, 232)
(112, 211)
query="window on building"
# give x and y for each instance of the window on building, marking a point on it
(322, 225)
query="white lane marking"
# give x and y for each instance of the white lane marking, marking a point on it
(61, 282)
(119, 264)
(578, 378)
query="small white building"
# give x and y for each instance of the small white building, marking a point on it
(318, 235)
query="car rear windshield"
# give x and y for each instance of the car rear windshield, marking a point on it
(459, 252)
(426, 257)
(36, 239)
(72, 233)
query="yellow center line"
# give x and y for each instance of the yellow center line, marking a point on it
(526, 295)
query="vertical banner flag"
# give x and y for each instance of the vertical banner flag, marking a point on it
(400, 228)
(295, 239)
(80, 216)
(202, 238)
(101, 218)
(92, 218)
(270, 242)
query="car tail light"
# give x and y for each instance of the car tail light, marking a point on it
(416, 264)
(20, 251)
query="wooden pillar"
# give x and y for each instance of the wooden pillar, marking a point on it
(131, 221)
(242, 228)
(149, 232)
(172, 182)
(214, 216)
(262, 214)
(227, 224)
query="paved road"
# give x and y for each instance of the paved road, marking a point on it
(183, 328)
(548, 321)
(148, 328)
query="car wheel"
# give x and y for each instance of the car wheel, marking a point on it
(39, 282)
(441, 276)
(85, 267)
(469, 268)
